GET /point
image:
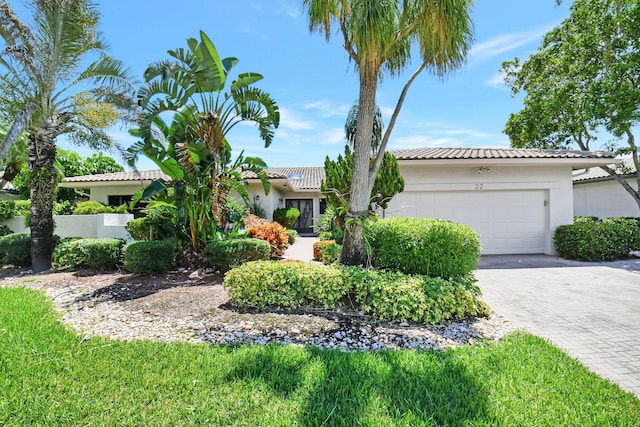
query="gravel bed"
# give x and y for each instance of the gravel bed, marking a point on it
(182, 313)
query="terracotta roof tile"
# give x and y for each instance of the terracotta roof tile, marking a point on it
(436, 153)
(146, 175)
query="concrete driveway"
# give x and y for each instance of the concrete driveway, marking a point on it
(590, 310)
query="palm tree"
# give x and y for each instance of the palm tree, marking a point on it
(378, 37)
(46, 81)
(193, 81)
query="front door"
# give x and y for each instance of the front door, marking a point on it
(304, 222)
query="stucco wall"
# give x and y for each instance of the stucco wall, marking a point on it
(89, 226)
(603, 199)
(555, 181)
(102, 193)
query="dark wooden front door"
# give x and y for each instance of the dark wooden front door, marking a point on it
(304, 222)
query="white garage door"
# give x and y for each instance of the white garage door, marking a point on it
(509, 222)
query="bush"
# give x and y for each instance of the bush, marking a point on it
(7, 210)
(286, 217)
(273, 233)
(387, 295)
(317, 248)
(156, 225)
(4, 230)
(293, 236)
(96, 254)
(22, 208)
(285, 284)
(15, 249)
(330, 254)
(430, 247)
(154, 256)
(391, 295)
(587, 240)
(91, 207)
(223, 255)
(235, 211)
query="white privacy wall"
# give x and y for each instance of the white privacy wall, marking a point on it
(604, 199)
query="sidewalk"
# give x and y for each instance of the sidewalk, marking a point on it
(301, 250)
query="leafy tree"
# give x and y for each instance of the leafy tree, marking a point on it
(193, 83)
(378, 37)
(583, 80)
(48, 80)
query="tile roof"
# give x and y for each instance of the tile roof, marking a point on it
(625, 167)
(302, 177)
(146, 175)
(436, 153)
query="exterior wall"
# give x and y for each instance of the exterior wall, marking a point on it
(102, 193)
(88, 226)
(555, 181)
(604, 199)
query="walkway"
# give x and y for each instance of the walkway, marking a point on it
(590, 311)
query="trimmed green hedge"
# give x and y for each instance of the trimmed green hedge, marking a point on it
(424, 246)
(285, 284)
(96, 254)
(152, 256)
(223, 255)
(15, 249)
(93, 207)
(392, 295)
(286, 217)
(387, 295)
(589, 239)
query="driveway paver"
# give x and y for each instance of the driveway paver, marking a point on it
(591, 311)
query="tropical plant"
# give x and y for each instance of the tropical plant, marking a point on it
(192, 85)
(582, 82)
(378, 37)
(50, 84)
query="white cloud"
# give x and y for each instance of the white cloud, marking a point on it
(506, 42)
(496, 81)
(332, 137)
(327, 108)
(291, 121)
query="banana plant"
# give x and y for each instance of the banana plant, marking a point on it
(193, 85)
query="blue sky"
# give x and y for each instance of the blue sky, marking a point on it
(313, 82)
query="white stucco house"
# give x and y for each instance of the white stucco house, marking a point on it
(596, 193)
(515, 198)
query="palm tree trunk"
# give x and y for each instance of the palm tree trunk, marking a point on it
(354, 250)
(42, 158)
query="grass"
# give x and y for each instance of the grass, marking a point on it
(50, 377)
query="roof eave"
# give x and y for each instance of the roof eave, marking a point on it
(573, 162)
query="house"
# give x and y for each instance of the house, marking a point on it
(596, 193)
(515, 198)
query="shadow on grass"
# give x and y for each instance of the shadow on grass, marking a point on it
(380, 388)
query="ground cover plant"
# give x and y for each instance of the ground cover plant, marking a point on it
(51, 376)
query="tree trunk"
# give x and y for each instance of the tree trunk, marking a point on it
(42, 158)
(354, 250)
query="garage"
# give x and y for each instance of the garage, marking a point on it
(508, 221)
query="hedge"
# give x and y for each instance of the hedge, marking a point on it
(589, 239)
(96, 254)
(15, 249)
(387, 295)
(152, 256)
(424, 246)
(223, 255)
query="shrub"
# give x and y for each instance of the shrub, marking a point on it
(22, 208)
(7, 210)
(286, 217)
(289, 284)
(91, 207)
(223, 255)
(330, 254)
(154, 256)
(15, 249)
(4, 230)
(608, 240)
(235, 211)
(391, 295)
(96, 254)
(317, 248)
(273, 233)
(293, 236)
(430, 247)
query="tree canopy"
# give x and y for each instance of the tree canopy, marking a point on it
(583, 84)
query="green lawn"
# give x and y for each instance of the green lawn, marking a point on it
(49, 377)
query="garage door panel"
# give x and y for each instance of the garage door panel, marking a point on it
(509, 222)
